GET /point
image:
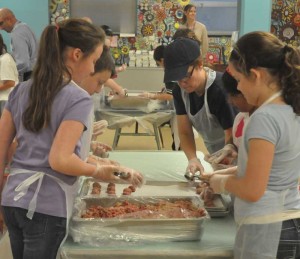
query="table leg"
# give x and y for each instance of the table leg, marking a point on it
(116, 137)
(161, 137)
(155, 128)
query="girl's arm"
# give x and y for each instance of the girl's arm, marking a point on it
(186, 136)
(228, 136)
(253, 185)
(8, 131)
(62, 157)
(6, 84)
(113, 85)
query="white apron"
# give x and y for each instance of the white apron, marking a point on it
(69, 190)
(206, 124)
(259, 223)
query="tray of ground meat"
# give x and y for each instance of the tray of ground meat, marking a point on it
(214, 203)
(139, 218)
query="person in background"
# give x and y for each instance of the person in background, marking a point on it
(8, 74)
(111, 83)
(93, 84)
(227, 156)
(189, 21)
(199, 99)
(265, 186)
(23, 43)
(186, 33)
(165, 95)
(109, 35)
(38, 196)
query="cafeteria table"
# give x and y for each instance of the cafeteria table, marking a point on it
(218, 236)
(149, 122)
(147, 115)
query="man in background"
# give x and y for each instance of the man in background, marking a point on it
(23, 43)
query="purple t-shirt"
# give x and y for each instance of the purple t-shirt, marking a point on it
(71, 103)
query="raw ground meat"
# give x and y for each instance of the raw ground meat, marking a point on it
(160, 209)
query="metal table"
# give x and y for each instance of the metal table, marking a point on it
(126, 118)
(217, 240)
(144, 113)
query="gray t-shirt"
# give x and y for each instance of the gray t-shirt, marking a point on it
(279, 125)
(71, 103)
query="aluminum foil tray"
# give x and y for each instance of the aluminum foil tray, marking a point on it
(134, 102)
(167, 229)
(129, 102)
(156, 188)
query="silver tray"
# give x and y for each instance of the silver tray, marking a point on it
(171, 229)
(158, 188)
(129, 102)
(134, 102)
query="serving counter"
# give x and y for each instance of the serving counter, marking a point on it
(216, 242)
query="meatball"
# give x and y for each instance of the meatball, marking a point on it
(132, 188)
(127, 191)
(96, 185)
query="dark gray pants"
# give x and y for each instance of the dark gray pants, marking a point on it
(34, 239)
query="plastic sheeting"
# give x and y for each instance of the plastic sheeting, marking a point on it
(97, 221)
(216, 242)
(158, 165)
(126, 119)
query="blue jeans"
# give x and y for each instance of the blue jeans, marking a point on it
(289, 244)
(33, 239)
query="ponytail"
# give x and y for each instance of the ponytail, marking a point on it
(50, 74)
(263, 49)
(290, 77)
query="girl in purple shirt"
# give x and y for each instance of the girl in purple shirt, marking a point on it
(47, 115)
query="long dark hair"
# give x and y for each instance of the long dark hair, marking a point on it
(50, 74)
(187, 8)
(230, 84)
(3, 48)
(263, 49)
(158, 53)
(186, 33)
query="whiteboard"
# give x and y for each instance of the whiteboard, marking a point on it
(119, 15)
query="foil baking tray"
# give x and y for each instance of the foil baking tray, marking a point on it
(156, 188)
(134, 102)
(186, 227)
(129, 102)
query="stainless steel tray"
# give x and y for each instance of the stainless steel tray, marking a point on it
(157, 188)
(172, 229)
(134, 102)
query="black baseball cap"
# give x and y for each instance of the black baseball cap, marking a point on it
(178, 56)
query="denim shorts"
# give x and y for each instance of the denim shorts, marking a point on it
(289, 244)
(33, 239)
